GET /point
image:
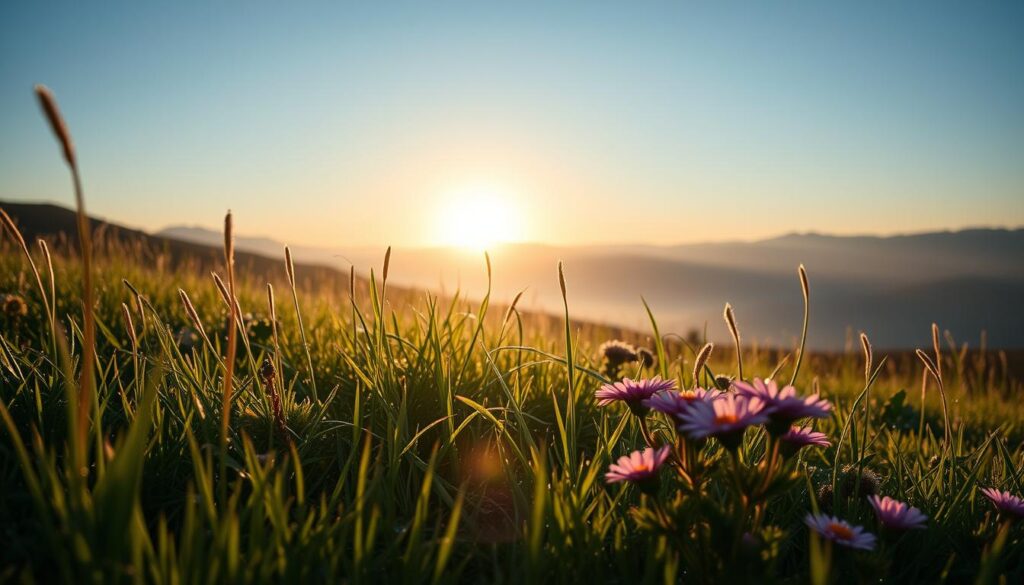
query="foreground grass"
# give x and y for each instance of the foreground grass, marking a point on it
(402, 438)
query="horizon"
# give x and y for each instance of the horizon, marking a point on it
(242, 233)
(466, 125)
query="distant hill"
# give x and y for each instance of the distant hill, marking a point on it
(59, 226)
(259, 259)
(968, 281)
(891, 287)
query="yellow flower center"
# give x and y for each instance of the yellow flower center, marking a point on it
(840, 531)
(725, 419)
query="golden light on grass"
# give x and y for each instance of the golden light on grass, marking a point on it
(478, 217)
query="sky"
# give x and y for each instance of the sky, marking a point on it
(426, 123)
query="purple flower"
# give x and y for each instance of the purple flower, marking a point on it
(639, 467)
(797, 438)
(724, 418)
(633, 392)
(1005, 502)
(676, 403)
(897, 515)
(840, 531)
(784, 405)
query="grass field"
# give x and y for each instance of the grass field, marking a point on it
(164, 426)
(397, 437)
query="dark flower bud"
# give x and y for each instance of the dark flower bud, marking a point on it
(616, 354)
(14, 306)
(267, 370)
(862, 483)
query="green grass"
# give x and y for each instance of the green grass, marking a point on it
(438, 440)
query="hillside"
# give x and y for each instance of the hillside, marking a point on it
(57, 225)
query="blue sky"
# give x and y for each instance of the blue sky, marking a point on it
(354, 124)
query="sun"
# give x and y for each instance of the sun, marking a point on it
(477, 218)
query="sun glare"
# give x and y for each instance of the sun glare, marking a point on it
(478, 218)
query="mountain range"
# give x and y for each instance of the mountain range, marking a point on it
(970, 282)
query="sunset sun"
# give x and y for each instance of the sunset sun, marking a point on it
(476, 218)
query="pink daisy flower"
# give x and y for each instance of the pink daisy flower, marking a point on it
(633, 392)
(724, 418)
(1005, 502)
(676, 403)
(639, 467)
(840, 531)
(797, 438)
(784, 405)
(897, 515)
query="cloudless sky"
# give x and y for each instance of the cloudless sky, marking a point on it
(351, 124)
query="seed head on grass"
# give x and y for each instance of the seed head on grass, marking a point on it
(129, 325)
(700, 360)
(734, 330)
(60, 129)
(869, 356)
(190, 310)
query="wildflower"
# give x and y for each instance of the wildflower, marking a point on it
(840, 531)
(784, 405)
(676, 403)
(639, 467)
(633, 392)
(797, 438)
(14, 306)
(616, 354)
(897, 515)
(725, 418)
(1005, 502)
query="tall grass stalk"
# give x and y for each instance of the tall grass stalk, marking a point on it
(290, 270)
(85, 383)
(805, 288)
(229, 363)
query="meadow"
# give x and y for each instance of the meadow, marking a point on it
(189, 428)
